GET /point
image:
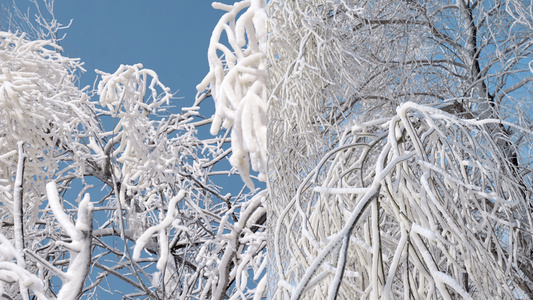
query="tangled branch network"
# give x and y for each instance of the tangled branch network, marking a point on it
(405, 204)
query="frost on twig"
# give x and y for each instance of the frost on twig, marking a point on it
(151, 162)
(223, 258)
(166, 221)
(18, 213)
(43, 110)
(138, 143)
(237, 80)
(368, 201)
(15, 273)
(37, 21)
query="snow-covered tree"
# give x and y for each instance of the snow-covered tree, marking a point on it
(397, 159)
(399, 149)
(114, 185)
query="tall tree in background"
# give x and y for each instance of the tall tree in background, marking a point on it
(399, 149)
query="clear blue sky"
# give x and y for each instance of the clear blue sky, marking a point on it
(167, 36)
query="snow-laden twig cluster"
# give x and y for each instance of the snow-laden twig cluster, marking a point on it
(161, 172)
(37, 21)
(237, 81)
(138, 142)
(80, 252)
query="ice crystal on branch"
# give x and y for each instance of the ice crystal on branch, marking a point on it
(155, 172)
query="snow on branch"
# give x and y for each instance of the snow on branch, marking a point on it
(161, 227)
(80, 247)
(147, 158)
(11, 272)
(237, 80)
(134, 98)
(42, 107)
(127, 89)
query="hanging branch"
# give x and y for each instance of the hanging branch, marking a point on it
(17, 203)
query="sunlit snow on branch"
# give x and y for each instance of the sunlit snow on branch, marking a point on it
(159, 222)
(237, 81)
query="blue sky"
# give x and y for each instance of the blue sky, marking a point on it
(167, 36)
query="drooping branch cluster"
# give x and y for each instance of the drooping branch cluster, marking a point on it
(422, 203)
(152, 167)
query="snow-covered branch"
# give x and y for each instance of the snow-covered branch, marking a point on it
(80, 246)
(141, 156)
